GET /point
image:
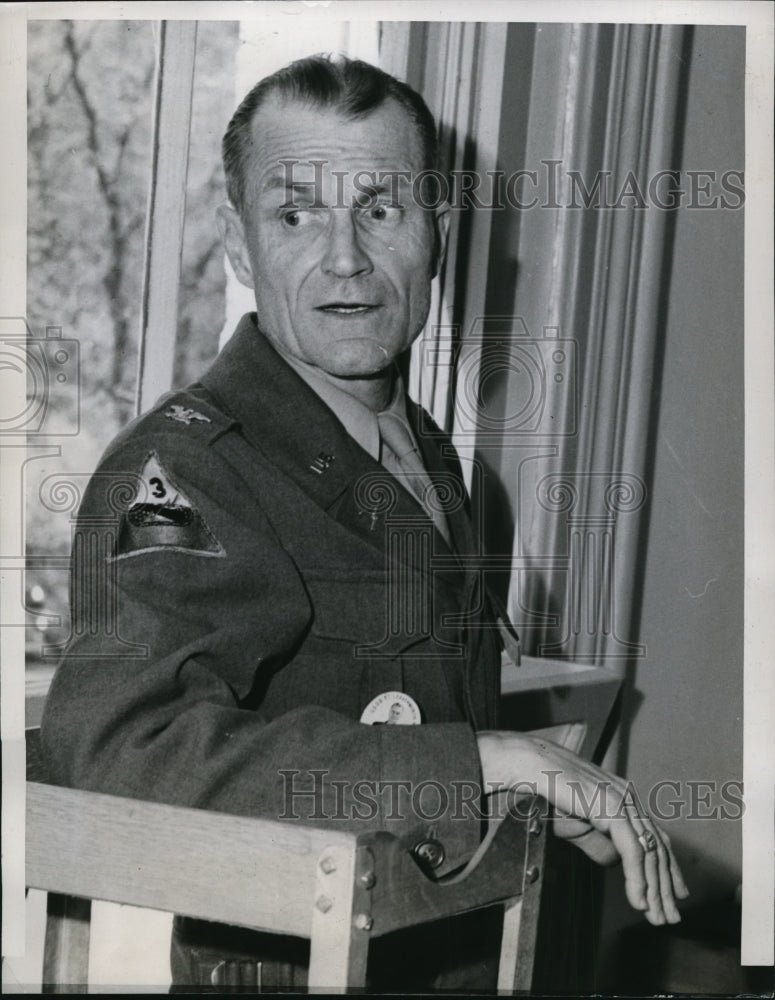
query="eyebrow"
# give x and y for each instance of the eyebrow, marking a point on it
(374, 190)
(279, 183)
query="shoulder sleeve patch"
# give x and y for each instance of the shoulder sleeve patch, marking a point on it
(162, 517)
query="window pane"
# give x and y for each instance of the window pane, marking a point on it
(203, 278)
(90, 91)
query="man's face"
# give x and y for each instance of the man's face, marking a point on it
(341, 273)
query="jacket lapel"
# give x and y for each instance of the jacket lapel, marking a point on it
(282, 417)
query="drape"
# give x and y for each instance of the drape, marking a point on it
(543, 343)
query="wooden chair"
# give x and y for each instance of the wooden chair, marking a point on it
(336, 888)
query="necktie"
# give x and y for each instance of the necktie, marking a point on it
(400, 456)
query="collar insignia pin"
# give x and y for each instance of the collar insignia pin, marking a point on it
(373, 517)
(321, 463)
(185, 415)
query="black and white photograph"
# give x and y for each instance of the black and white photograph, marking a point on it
(388, 498)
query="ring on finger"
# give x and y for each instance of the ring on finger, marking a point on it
(647, 841)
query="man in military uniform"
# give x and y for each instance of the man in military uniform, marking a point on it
(264, 618)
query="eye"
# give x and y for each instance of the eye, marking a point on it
(301, 218)
(384, 213)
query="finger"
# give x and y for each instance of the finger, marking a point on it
(569, 827)
(667, 866)
(631, 853)
(655, 913)
(676, 875)
(656, 865)
(596, 846)
(583, 835)
(666, 889)
(654, 860)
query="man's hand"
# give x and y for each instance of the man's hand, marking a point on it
(596, 810)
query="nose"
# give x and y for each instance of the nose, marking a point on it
(344, 256)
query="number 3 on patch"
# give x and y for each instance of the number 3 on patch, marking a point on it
(162, 517)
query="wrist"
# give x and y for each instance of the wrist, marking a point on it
(508, 759)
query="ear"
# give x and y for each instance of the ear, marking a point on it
(232, 233)
(441, 224)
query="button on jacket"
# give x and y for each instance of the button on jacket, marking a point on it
(239, 596)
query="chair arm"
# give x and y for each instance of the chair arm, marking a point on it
(232, 869)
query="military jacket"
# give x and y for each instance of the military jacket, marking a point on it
(245, 581)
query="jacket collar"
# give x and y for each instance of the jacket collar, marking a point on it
(286, 420)
(280, 415)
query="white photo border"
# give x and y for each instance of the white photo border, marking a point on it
(759, 677)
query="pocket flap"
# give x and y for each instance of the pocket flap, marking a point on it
(367, 609)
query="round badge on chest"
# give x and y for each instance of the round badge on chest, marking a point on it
(392, 708)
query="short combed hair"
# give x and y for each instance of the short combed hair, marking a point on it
(353, 87)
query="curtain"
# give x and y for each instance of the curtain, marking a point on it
(544, 334)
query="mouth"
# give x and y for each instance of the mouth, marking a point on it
(347, 308)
